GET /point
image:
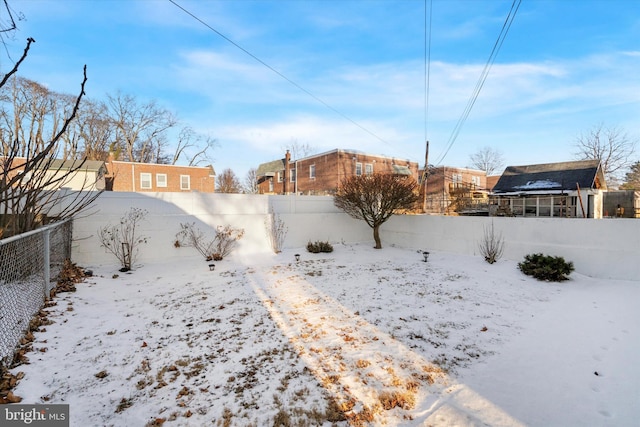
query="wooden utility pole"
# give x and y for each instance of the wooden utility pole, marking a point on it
(425, 174)
(584, 215)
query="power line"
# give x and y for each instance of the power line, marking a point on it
(483, 76)
(341, 114)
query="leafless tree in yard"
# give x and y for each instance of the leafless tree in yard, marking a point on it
(195, 147)
(228, 182)
(487, 159)
(31, 135)
(94, 131)
(611, 145)
(375, 198)
(140, 128)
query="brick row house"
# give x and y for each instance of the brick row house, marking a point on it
(151, 177)
(456, 191)
(321, 174)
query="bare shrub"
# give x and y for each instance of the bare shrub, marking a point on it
(276, 230)
(122, 240)
(492, 244)
(226, 240)
(216, 248)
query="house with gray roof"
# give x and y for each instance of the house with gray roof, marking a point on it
(566, 189)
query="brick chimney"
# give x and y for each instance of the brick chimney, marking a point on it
(287, 172)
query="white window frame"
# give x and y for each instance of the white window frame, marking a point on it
(160, 183)
(358, 168)
(292, 175)
(368, 169)
(279, 173)
(145, 177)
(188, 186)
(312, 171)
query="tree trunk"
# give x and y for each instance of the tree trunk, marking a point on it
(376, 237)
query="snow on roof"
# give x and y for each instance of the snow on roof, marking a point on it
(539, 184)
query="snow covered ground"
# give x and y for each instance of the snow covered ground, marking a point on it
(358, 336)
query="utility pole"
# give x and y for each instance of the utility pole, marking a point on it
(425, 174)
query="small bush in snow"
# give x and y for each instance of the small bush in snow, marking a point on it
(122, 240)
(492, 245)
(546, 267)
(215, 248)
(318, 246)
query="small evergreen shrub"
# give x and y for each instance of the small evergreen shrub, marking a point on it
(318, 246)
(546, 267)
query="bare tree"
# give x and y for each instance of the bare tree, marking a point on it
(94, 131)
(251, 182)
(298, 150)
(228, 182)
(195, 147)
(487, 159)
(611, 145)
(375, 198)
(140, 128)
(30, 175)
(31, 115)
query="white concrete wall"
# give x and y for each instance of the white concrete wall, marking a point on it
(605, 248)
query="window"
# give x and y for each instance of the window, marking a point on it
(530, 206)
(271, 183)
(475, 181)
(292, 176)
(358, 169)
(456, 178)
(161, 180)
(368, 169)
(279, 174)
(185, 182)
(544, 206)
(560, 207)
(312, 171)
(517, 207)
(145, 181)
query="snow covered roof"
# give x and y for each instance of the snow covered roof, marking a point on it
(551, 177)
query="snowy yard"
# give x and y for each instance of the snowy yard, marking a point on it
(358, 336)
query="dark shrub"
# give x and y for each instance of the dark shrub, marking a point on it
(546, 267)
(318, 246)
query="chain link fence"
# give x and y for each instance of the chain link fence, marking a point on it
(28, 262)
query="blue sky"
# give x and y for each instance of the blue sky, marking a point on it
(565, 67)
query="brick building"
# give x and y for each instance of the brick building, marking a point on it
(141, 177)
(321, 174)
(453, 190)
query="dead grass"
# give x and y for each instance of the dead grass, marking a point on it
(404, 399)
